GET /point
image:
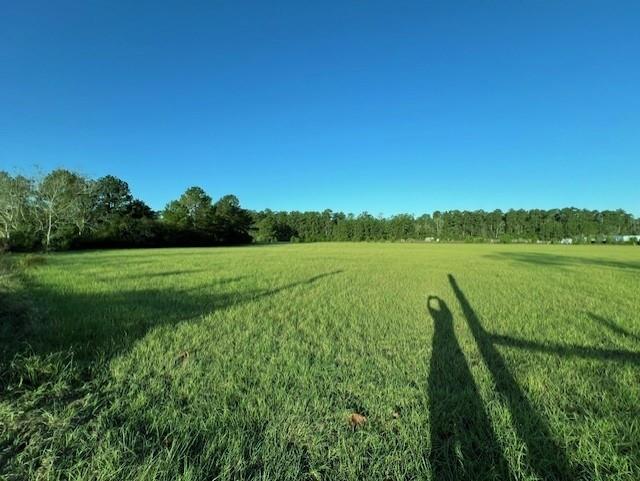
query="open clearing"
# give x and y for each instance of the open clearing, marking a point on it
(468, 361)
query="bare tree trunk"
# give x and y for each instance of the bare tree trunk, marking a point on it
(48, 231)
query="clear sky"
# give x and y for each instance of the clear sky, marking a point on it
(353, 105)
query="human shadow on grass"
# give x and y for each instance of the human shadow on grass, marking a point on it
(463, 443)
(561, 260)
(545, 455)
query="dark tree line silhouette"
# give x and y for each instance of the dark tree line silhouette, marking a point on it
(65, 210)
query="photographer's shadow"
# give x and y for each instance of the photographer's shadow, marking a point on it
(463, 443)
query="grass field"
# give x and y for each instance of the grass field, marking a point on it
(468, 362)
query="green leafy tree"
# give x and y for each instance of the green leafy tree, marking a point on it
(193, 210)
(232, 222)
(139, 210)
(111, 198)
(266, 229)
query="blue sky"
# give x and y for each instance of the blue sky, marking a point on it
(355, 105)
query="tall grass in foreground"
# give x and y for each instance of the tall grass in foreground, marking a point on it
(460, 361)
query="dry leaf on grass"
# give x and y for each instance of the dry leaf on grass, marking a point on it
(357, 420)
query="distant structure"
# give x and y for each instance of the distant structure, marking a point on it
(566, 241)
(627, 238)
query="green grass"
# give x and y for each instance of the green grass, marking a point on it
(246, 363)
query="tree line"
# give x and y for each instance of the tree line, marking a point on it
(580, 225)
(66, 210)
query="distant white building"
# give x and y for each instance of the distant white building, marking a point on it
(566, 241)
(627, 238)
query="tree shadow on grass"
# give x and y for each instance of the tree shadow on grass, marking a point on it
(55, 383)
(561, 260)
(463, 443)
(116, 276)
(105, 324)
(614, 327)
(567, 350)
(546, 456)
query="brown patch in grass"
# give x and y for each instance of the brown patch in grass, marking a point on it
(357, 420)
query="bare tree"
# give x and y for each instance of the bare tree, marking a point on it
(15, 193)
(81, 212)
(58, 196)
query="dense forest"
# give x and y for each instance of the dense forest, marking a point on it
(65, 210)
(471, 226)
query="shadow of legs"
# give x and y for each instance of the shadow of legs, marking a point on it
(463, 444)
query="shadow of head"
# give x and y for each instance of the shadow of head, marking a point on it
(438, 309)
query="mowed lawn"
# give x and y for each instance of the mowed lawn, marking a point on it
(468, 362)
